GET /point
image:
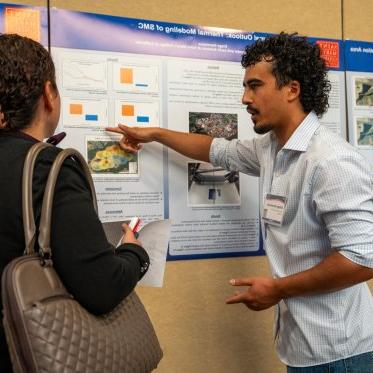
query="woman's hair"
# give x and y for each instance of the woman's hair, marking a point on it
(294, 58)
(25, 67)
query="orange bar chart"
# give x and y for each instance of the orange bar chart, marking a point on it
(76, 109)
(128, 110)
(126, 75)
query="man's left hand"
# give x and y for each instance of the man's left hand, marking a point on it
(261, 294)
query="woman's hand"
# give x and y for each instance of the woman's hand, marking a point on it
(129, 236)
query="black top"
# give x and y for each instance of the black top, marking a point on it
(95, 273)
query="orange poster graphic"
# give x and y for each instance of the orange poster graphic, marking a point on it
(23, 21)
(128, 110)
(76, 109)
(126, 75)
(329, 52)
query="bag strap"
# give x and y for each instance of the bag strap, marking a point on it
(28, 217)
(29, 227)
(46, 212)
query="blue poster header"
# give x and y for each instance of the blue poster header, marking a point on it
(80, 30)
(127, 35)
(359, 56)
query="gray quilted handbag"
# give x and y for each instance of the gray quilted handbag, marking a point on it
(46, 329)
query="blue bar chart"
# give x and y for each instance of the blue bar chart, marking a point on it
(137, 113)
(84, 112)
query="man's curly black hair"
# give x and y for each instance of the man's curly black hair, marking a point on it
(25, 66)
(294, 58)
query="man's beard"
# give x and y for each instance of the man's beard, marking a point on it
(262, 129)
(259, 129)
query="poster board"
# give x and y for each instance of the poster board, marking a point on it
(183, 77)
(177, 76)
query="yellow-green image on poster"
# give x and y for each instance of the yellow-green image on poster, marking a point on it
(108, 158)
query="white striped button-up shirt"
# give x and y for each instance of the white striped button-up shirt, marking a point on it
(328, 188)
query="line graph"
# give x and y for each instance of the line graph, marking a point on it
(84, 74)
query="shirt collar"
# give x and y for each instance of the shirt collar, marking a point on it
(301, 137)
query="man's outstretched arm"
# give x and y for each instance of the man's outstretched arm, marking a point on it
(191, 145)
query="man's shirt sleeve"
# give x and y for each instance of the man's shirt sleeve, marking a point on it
(343, 198)
(236, 155)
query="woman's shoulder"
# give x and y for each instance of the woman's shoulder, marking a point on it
(71, 173)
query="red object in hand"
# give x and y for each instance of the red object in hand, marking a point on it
(134, 224)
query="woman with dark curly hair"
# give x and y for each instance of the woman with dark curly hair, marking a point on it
(98, 275)
(316, 208)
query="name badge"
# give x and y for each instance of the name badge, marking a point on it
(274, 208)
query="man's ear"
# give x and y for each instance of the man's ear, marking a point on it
(49, 95)
(293, 90)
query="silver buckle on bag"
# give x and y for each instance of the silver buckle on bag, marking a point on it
(144, 267)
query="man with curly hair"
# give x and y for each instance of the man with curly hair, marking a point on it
(316, 207)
